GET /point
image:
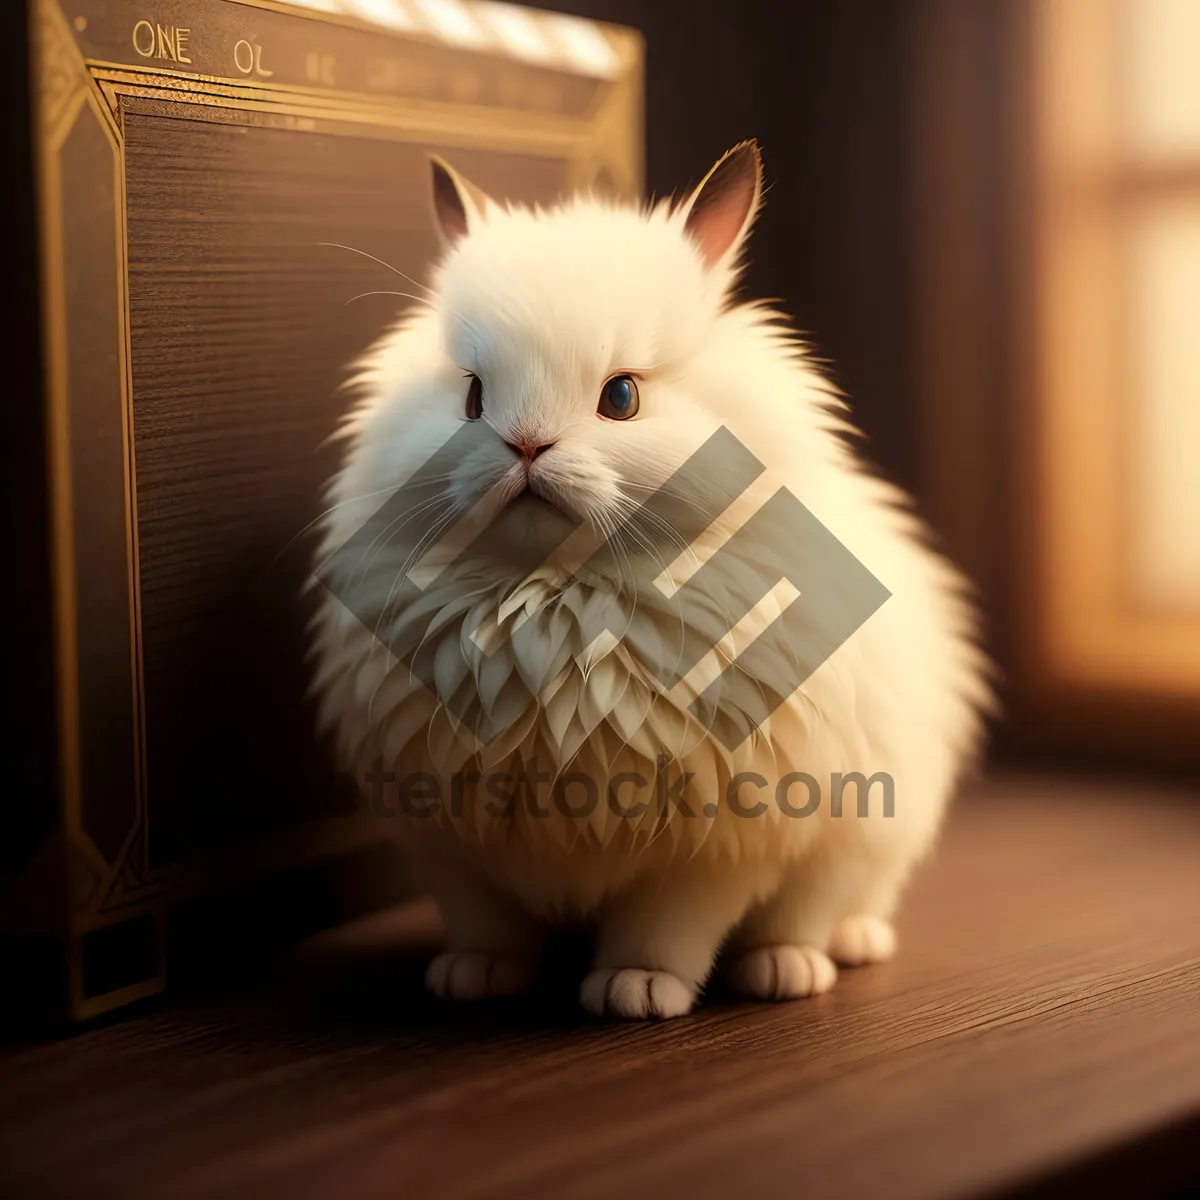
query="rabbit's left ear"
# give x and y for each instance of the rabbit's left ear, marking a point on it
(722, 209)
(458, 204)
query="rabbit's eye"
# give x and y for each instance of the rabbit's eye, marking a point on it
(475, 398)
(618, 398)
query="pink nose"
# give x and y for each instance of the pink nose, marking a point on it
(528, 450)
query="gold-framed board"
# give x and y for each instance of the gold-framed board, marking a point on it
(221, 187)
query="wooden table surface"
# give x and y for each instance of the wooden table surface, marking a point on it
(1044, 1009)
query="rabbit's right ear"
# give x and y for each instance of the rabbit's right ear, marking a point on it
(722, 209)
(458, 204)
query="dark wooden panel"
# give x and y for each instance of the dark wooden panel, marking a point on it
(1045, 1008)
(241, 334)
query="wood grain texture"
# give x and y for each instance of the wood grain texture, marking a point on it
(1045, 1008)
(243, 327)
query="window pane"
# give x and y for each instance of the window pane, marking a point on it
(1164, 308)
(1162, 77)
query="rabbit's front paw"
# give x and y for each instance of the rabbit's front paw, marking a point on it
(635, 995)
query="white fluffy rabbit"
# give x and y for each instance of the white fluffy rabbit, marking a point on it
(570, 368)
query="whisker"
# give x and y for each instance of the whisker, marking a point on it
(397, 523)
(388, 265)
(320, 517)
(404, 295)
(402, 574)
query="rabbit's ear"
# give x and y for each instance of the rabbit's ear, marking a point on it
(722, 209)
(458, 204)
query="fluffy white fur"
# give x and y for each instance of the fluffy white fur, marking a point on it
(544, 306)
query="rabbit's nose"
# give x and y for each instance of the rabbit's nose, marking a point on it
(528, 450)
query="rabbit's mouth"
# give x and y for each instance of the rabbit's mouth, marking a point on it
(530, 499)
(529, 493)
(536, 493)
(527, 531)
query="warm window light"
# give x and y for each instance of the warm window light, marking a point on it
(1118, 416)
(1160, 48)
(1164, 312)
(1162, 137)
